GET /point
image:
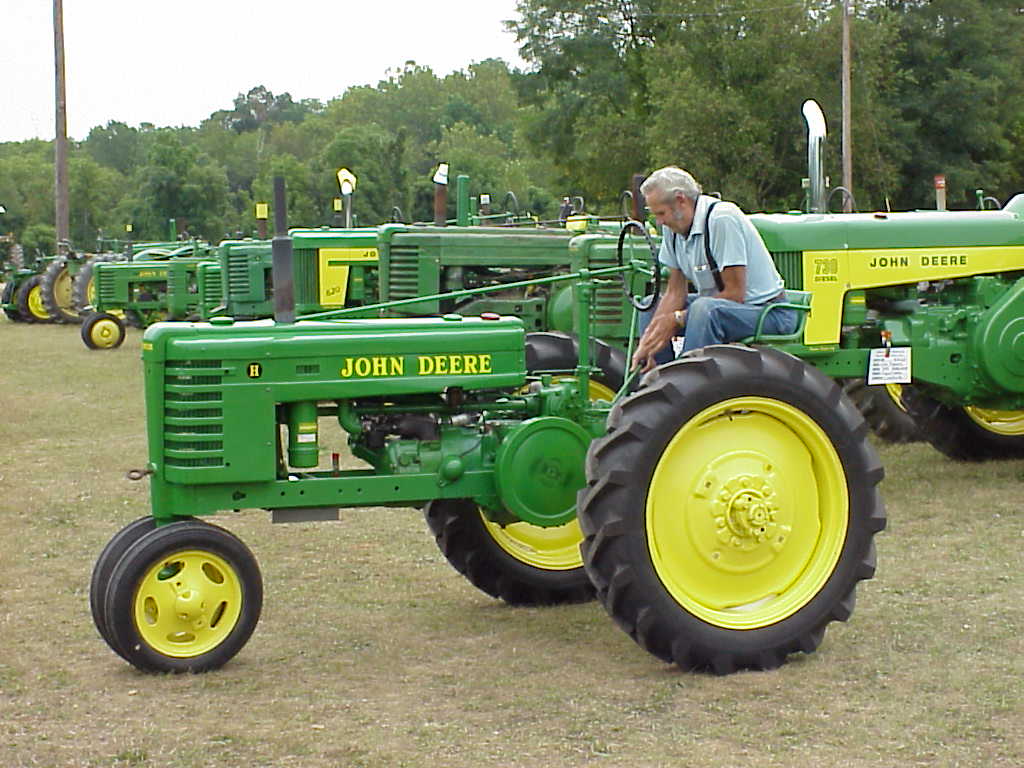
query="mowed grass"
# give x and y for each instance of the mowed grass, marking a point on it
(373, 651)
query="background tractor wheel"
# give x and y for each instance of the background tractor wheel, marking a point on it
(184, 597)
(968, 434)
(731, 508)
(101, 330)
(83, 289)
(29, 299)
(522, 563)
(8, 298)
(883, 409)
(55, 286)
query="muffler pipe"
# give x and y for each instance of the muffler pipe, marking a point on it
(816, 133)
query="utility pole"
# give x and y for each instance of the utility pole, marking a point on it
(60, 156)
(847, 139)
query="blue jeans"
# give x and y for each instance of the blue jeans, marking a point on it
(711, 320)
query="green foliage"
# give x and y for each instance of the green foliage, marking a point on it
(612, 88)
(39, 239)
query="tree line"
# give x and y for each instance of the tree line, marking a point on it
(612, 88)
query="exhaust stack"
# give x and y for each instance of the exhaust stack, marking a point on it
(281, 253)
(816, 133)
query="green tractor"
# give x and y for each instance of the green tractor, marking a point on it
(159, 283)
(723, 513)
(22, 298)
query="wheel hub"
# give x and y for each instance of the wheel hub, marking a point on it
(745, 513)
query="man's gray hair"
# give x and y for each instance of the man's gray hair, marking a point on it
(669, 180)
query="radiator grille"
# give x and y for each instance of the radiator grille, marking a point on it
(791, 266)
(305, 266)
(403, 274)
(193, 413)
(238, 276)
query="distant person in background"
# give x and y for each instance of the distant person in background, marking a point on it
(713, 245)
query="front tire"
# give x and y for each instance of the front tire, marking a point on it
(184, 597)
(111, 554)
(730, 511)
(102, 330)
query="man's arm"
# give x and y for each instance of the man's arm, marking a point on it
(734, 280)
(663, 325)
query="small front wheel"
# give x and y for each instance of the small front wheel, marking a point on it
(184, 597)
(101, 330)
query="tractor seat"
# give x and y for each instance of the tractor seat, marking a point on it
(798, 300)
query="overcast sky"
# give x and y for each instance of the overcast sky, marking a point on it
(174, 63)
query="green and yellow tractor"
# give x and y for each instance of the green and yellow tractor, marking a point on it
(723, 513)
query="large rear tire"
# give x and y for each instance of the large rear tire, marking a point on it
(29, 299)
(968, 433)
(83, 289)
(883, 409)
(56, 290)
(730, 511)
(7, 298)
(522, 563)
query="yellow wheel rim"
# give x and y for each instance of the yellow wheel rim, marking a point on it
(1000, 422)
(62, 290)
(896, 393)
(747, 513)
(35, 304)
(105, 333)
(553, 549)
(187, 604)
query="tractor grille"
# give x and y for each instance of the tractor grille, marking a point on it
(210, 287)
(238, 277)
(791, 266)
(305, 266)
(608, 296)
(105, 286)
(193, 413)
(403, 272)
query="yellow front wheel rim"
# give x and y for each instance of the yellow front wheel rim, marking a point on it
(747, 512)
(35, 304)
(1000, 422)
(187, 604)
(105, 333)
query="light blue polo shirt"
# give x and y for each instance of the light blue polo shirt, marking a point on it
(734, 242)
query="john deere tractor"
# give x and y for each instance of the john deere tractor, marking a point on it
(723, 513)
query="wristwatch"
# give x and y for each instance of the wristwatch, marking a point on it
(680, 316)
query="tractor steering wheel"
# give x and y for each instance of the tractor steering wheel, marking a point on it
(638, 303)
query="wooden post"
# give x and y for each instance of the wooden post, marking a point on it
(60, 156)
(847, 139)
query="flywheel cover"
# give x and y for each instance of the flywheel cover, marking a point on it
(540, 467)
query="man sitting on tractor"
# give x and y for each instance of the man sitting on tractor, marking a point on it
(722, 256)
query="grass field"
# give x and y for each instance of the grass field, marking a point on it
(373, 651)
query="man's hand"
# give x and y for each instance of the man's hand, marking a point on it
(659, 333)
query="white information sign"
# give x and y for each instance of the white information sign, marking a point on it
(889, 366)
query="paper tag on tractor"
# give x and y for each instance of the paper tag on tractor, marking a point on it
(889, 365)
